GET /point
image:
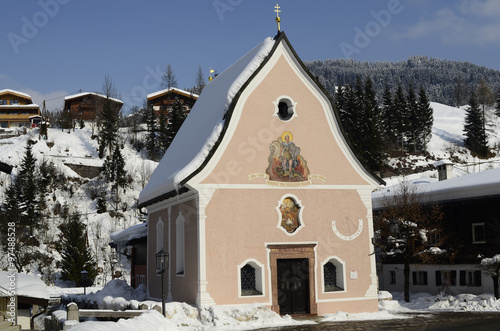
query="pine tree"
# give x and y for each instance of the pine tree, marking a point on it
(199, 83)
(177, 117)
(369, 128)
(75, 252)
(389, 123)
(168, 78)
(426, 120)
(109, 116)
(163, 133)
(413, 126)
(28, 190)
(474, 129)
(497, 105)
(401, 116)
(151, 143)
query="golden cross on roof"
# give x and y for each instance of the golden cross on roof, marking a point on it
(278, 19)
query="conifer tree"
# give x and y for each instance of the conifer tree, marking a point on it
(28, 190)
(75, 252)
(413, 118)
(497, 105)
(426, 120)
(177, 117)
(168, 78)
(109, 116)
(401, 118)
(389, 124)
(199, 83)
(369, 128)
(474, 129)
(163, 133)
(151, 143)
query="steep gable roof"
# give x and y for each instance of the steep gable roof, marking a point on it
(204, 128)
(79, 95)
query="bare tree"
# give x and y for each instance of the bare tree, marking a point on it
(403, 226)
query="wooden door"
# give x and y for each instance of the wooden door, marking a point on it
(293, 286)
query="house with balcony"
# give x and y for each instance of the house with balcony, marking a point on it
(162, 101)
(16, 109)
(85, 106)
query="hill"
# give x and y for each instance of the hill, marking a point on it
(75, 149)
(439, 78)
(70, 151)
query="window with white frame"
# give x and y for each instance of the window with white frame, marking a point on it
(470, 277)
(251, 279)
(478, 233)
(179, 244)
(333, 275)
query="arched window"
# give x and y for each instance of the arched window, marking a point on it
(179, 244)
(159, 235)
(333, 275)
(251, 279)
(285, 108)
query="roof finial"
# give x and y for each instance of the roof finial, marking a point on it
(278, 19)
(211, 72)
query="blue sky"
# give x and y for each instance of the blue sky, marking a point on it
(52, 48)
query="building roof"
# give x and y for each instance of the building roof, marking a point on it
(124, 237)
(476, 185)
(79, 95)
(21, 94)
(174, 89)
(26, 285)
(203, 129)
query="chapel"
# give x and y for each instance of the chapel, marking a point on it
(259, 199)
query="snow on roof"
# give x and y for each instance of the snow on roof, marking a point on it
(154, 94)
(442, 162)
(32, 105)
(203, 126)
(21, 94)
(134, 232)
(26, 285)
(479, 184)
(69, 97)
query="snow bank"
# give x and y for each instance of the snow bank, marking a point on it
(116, 295)
(149, 321)
(427, 302)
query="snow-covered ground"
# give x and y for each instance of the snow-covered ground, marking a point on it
(117, 295)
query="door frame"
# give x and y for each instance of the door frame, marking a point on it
(291, 251)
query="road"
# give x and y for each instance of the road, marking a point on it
(423, 322)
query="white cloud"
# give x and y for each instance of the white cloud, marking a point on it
(470, 22)
(480, 8)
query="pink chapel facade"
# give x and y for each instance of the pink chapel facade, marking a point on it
(278, 213)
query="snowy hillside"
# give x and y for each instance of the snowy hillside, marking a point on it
(66, 148)
(78, 148)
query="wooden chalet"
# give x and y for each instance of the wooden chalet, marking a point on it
(162, 101)
(85, 106)
(16, 108)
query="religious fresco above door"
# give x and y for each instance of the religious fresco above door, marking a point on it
(286, 166)
(285, 162)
